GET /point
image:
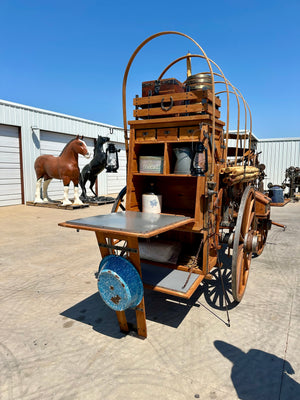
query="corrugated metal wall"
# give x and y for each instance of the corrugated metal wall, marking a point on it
(278, 155)
(33, 120)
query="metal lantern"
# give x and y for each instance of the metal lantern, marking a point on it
(199, 163)
(112, 160)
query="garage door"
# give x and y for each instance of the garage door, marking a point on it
(53, 143)
(116, 181)
(10, 166)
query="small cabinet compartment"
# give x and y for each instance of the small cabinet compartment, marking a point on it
(178, 197)
(148, 158)
(144, 135)
(167, 134)
(189, 133)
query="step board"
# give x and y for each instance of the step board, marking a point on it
(170, 281)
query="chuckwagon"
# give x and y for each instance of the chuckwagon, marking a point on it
(192, 187)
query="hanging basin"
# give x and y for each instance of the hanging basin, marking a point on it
(119, 283)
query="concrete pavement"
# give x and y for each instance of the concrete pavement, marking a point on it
(58, 340)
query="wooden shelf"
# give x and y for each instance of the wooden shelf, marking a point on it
(170, 281)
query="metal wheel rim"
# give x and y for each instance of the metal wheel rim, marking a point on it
(240, 259)
(118, 202)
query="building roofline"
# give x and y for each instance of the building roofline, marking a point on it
(56, 114)
(283, 139)
(242, 131)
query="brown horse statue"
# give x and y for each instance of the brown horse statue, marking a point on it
(64, 167)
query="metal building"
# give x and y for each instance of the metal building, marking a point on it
(27, 132)
(278, 155)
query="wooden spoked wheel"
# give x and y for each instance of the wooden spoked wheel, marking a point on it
(120, 202)
(244, 235)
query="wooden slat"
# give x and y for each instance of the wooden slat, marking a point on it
(183, 109)
(195, 96)
(174, 121)
(140, 310)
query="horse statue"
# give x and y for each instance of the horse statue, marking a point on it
(64, 167)
(94, 167)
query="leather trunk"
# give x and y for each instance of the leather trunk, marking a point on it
(163, 86)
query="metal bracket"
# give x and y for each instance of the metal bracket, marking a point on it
(115, 247)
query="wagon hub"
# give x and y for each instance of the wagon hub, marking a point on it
(251, 242)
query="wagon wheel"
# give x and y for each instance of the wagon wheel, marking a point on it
(243, 243)
(119, 204)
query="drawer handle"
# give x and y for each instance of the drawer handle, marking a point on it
(145, 133)
(166, 132)
(191, 131)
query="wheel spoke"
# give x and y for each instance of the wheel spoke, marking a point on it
(247, 218)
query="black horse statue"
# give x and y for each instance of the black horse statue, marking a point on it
(94, 167)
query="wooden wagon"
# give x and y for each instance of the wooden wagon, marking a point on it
(218, 201)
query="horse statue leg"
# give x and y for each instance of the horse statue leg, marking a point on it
(77, 201)
(37, 197)
(82, 185)
(93, 180)
(82, 181)
(45, 190)
(66, 201)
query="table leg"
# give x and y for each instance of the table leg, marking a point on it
(101, 238)
(140, 312)
(122, 321)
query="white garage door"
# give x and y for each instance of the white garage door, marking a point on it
(53, 143)
(10, 166)
(116, 181)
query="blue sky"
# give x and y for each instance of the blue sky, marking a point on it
(70, 56)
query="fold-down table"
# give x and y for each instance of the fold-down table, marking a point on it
(128, 226)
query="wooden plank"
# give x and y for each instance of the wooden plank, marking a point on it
(280, 204)
(184, 109)
(57, 205)
(140, 312)
(196, 95)
(175, 121)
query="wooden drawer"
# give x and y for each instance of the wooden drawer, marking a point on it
(144, 135)
(167, 133)
(189, 132)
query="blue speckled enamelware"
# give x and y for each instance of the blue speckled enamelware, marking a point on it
(119, 283)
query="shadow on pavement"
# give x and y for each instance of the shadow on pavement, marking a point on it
(258, 375)
(160, 308)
